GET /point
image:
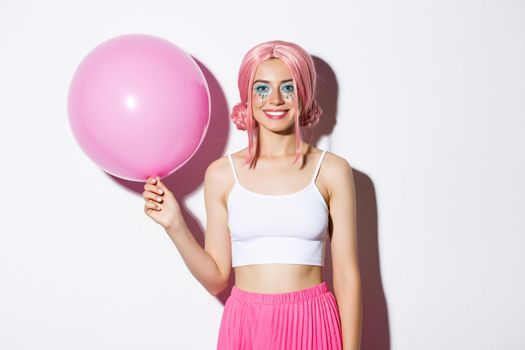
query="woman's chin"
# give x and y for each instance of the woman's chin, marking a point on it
(281, 128)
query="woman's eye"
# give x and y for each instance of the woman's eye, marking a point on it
(287, 88)
(261, 88)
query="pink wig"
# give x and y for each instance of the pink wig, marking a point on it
(303, 72)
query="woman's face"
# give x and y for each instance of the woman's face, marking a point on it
(273, 95)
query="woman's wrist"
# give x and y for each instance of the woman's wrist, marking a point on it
(175, 226)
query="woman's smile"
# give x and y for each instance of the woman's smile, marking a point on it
(276, 113)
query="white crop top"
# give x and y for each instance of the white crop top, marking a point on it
(286, 229)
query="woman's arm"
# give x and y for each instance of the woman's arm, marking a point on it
(347, 280)
(211, 266)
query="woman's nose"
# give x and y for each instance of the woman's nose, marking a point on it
(275, 97)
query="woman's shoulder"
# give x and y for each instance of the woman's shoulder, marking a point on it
(219, 177)
(220, 168)
(335, 163)
(240, 154)
(337, 170)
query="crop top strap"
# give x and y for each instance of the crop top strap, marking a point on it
(233, 168)
(318, 165)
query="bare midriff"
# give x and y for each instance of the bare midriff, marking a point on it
(277, 278)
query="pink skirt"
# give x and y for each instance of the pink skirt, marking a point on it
(302, 319)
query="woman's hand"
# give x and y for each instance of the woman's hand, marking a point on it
(160, 204)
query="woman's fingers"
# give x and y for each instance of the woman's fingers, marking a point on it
(153, 189)
(151, 205)
(151, 180)
(152, 196)
(153, 193)
(160, 184)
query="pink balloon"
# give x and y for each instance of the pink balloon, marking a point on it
(139, 106)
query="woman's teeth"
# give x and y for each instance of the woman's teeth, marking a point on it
(276, 115)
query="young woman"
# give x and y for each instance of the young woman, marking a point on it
(271, 208)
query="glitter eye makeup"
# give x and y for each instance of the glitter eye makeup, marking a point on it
(287, 90)
(262, 90)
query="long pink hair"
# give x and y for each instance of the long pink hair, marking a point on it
(302, 67)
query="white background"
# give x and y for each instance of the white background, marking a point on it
(424, 99)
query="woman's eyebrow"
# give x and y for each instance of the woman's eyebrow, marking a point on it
(267, 82)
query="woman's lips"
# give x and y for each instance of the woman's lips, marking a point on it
(276, 114)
